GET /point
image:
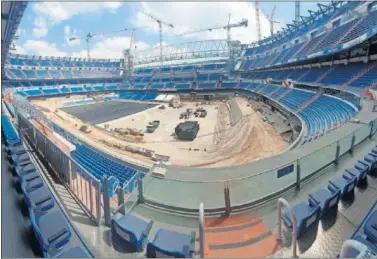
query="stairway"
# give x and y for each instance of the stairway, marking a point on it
(319, 79)
(274, 91)
(241, 236)
(284, 94)
(349, 31)
(303, 75)
(353, 79)
(309, 102)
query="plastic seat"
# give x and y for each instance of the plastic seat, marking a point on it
(353, 253)
(370, 227)
(167, 243)
(16, 150)
(360, 174)
(346, 186)
(52, 232)
(39, 201)
(19, 160)
(24, 170)
(325, 199)
(306, 215)
(371, 160)
(31, 182)
(131, 230)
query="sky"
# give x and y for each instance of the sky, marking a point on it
(46, 27)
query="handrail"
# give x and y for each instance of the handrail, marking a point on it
(283, 202)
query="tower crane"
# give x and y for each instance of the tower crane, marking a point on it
(128, 58)
(258, 20)
(160, 23)
(89, 36)
(228, 27)
(271, 20)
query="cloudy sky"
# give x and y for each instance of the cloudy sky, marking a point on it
(46, 27)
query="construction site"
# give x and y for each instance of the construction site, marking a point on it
(191, 133)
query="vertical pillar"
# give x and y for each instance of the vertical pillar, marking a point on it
(336, 161)
(352, 143)
(371, 129)
(298, 175)
(120, 193)
(227, 198)
(106, 202)
(140, 189)
(201, 230)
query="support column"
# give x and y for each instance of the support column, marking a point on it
(120, 193)
(106, 202)
(298, 175)
(140, 189)
(227, 199)
(336, 161)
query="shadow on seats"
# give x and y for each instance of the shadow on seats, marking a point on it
(328, 220)
(121, 246)
(307, 239)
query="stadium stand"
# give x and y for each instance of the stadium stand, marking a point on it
(343, 27)
(53, 231)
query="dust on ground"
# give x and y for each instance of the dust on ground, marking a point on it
(217, 144)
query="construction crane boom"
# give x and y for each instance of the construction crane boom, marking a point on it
(89, 36)
(160, 23)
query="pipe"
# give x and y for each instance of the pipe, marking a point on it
(284, 202)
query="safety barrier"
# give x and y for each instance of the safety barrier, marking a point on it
(84, 187)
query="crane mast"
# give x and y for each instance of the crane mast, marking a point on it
(228, 27)
(160, 23)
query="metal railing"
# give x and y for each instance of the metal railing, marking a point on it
(82, 185)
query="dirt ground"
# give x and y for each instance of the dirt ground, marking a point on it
(217, 144)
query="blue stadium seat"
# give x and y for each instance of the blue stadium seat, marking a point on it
(132, 230)
(52, 232)
(346, 186)
(167, 243)
(326, 199)
(370, 227)
(306, 215)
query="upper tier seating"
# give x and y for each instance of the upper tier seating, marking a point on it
(340, 33)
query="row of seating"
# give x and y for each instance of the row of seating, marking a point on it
(187, 68)
(357, 75)
(322, 116)
(138, 96)
(179, 78)
(322, 201)
(316, 43)
(323, 16)
(44, 83)
(133, 233)
(62, 63)
(60, 74)
(100, 166)
(49, 224)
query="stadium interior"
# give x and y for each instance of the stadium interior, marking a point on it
(268, 149)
